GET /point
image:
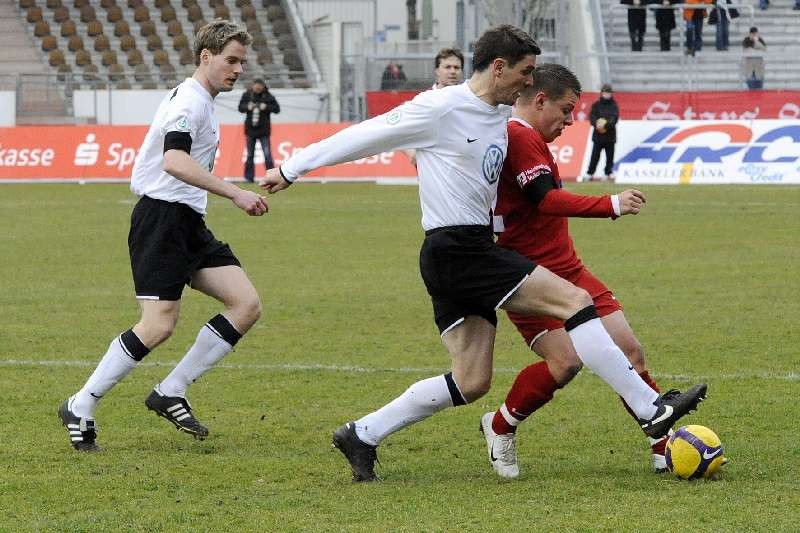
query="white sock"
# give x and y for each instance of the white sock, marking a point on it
(206, 351)
(113, 367)
(418, 402)
(599, 353)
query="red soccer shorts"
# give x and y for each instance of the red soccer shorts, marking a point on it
(532, 327)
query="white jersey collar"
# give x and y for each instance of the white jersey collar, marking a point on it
(198, 88)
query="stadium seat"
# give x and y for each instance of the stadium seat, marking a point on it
(78, 4)
(121, 28)
(264, 57)
(116, 72)
(180, 42)
(75, 43)
(41, 29)
(61, 14)
(286, 41)
(268, 3)
(222, 12)
(168, 73)
(292, 60)
(167, 14)
(160, 4)
(127, 43)
(55, 58)
(193, 13)
(123, 85)
(275, 13)
(53, 4)
(187, 57)
(280, 27)
(141, 14)
(259, 42)
(82, 58)
(154, 43)
(248, 12)
(174, 28)
(63, 71)
(160, 57)
(90, 73)
(253, 26)
(88, 14)
(68, 28)
(147, 28)
(105, 4)
(114, 16)
(27, 4)
(241, 3)
(199, 24)
(101, 43)
(34, 14)
(141, 73)
(94, 28)
(133, 4)
(134, 58)
(186, 4)
(108, 58)
(49, 43)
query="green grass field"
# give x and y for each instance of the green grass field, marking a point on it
(708, 275)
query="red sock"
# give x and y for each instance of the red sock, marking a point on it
(533, 387)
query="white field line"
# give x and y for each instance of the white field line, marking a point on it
(734, 376)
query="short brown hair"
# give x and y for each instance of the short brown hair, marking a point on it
(553, 80)
(506, 42)
(444, 53)
(216, 34)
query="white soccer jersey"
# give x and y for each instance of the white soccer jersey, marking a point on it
(187, 108)
(460, 140)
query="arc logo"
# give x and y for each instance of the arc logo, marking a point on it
(715, 143)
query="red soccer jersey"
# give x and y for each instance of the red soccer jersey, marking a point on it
(541, 232)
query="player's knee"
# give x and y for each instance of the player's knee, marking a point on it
(248, 309)
(564, 368)
(475, 388)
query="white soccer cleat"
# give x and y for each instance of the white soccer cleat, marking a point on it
(502, 449)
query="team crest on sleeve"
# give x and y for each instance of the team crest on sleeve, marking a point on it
(492, 163)
(394, 116)
(528, 175)
(182, 124)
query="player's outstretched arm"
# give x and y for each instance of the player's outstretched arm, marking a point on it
(180, 164)
(631, 202)
(274, 181)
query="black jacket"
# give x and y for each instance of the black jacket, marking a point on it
(608, 110)
(665, 17)
(257, 123)
(637, 17)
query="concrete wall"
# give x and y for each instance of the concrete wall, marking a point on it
(139, 106)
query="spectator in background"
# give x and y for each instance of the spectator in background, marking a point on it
(393, 77)
(763, 4)
(637, 23)
(796, 5)
(448, 67)
(665, 22)
(694, 25)
(721, 16)
(258, 103)
(754, 48)
(603, 116)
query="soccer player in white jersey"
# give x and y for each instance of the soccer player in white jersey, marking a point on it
(460, 136)
(170, 245)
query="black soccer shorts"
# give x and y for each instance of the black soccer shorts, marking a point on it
(168, 242)
(466, 273)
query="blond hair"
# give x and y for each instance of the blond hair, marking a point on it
(216, 34)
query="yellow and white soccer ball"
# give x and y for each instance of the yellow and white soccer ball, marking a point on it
(694, 452)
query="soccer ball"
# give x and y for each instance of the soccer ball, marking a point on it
(694, 452)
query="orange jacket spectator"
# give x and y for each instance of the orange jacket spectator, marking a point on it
(688, 13)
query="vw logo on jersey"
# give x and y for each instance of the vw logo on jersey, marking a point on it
(492, 163)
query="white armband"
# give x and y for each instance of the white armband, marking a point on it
(615, 204)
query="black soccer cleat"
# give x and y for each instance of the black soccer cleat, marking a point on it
(671, 406)
(360, 455)
(178, 411)
(82, 431)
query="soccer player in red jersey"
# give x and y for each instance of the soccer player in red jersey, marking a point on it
(531, 217)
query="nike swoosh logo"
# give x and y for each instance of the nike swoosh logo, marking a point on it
(630, 367)
(707, 455)
(491, 454)
(93, 395)
(471, 140)
(667, 413)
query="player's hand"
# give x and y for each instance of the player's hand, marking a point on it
(631, 202)
(273, 181)
(250, 202)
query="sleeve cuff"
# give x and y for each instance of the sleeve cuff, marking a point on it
(285, 175)
(615, 204)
